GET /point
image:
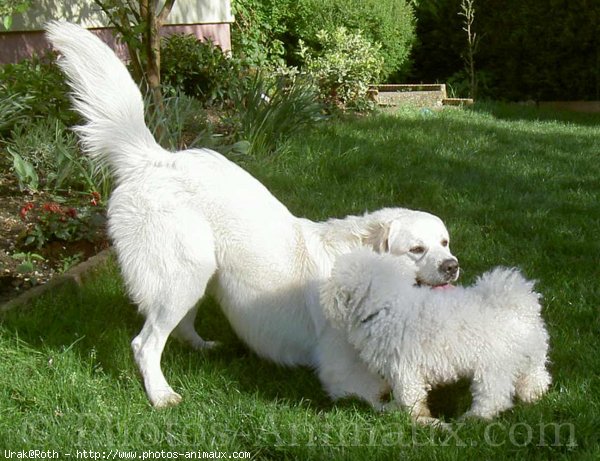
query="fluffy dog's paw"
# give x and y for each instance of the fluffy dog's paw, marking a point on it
(478, 415)
(432, 422)
(165, 399)
(532, 394)
(533, 387)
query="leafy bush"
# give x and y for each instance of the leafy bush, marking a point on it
(257, 32)
(272, 29)
(199, 69)
(183, 123)
(535, 50)
(268, 111)
(345, 67)
(41, 85)
(54, 221)
(8, 8)
(12, 109)
(45, 155)
(389, 23)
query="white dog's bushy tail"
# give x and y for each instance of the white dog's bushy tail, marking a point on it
(509, 289)
(108, 99)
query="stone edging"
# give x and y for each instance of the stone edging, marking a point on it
(74, 276)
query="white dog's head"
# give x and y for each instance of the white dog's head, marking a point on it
(421, 238)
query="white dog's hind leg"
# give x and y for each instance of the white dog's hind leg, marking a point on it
(187, 333)
(167, 277)
(147, 349)
(532, 385)
(160, 322)
(492, 394)
(343, 373)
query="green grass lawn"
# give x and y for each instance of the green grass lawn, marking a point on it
(516, 187)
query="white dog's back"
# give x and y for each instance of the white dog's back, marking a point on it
(366, 287)
(186, 222)
(175, 218)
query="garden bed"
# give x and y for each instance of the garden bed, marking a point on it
(417, 95)
(26, 265)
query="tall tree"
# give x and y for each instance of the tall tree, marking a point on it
(467, 11)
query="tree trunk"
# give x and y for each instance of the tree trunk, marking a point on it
(143, 45)
(153, 23)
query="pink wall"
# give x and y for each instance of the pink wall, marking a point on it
(15, 46)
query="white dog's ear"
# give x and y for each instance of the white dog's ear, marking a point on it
(377, 237)
(334, 302)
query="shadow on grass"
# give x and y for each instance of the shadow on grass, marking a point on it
(97, 320)
(535, 113)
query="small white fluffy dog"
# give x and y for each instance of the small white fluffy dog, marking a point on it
(189, 222)
(418, 337)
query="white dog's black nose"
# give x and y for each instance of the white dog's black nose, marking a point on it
(449, 267)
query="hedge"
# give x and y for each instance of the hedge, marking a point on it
(534, 49)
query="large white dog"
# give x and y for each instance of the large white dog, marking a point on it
(187, 222)
(417, 338)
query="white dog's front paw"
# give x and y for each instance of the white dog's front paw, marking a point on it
(164, 398)
(532, 394)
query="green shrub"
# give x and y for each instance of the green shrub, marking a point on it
(12, 109)
(184, 122)
(45, 156)
(199, 69)
(270, 110)
(272, 29)
(256, 34)
(389, 23)
(9, 8)
(345, 66)
(42, 85)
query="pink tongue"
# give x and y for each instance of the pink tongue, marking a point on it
(447, 286)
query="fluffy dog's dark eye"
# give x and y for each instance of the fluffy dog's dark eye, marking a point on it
(444, 243)
(417, 250)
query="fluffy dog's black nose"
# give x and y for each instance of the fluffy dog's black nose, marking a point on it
(449, 267)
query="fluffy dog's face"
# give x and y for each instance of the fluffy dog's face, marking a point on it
(423, 239)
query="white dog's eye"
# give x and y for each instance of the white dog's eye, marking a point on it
(417, 250)
(444, 243)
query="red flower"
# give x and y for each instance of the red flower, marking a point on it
(26, 209)
(95, 198)
(52, 207)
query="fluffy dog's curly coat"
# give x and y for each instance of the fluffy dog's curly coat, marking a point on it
(417, 338)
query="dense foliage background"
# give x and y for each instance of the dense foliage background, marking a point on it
(535, 49)
(268, 30)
